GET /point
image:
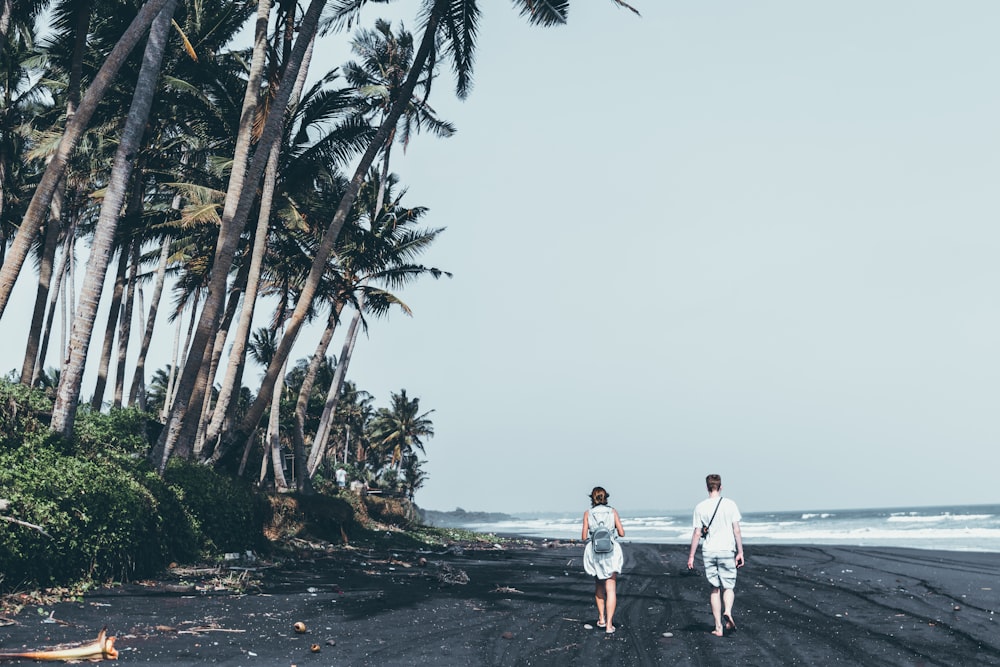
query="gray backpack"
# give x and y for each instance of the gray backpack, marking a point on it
(600, 535)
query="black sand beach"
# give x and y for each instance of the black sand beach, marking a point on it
(530, 605)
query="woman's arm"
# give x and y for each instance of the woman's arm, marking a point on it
(586, 526)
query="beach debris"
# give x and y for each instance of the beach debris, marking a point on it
(588, 626)
(561, 648)
(507, 635)
(668, 635)
(102, 648)
(422, 562)
(451, 575)
(201, 629)
(314, 648)
(299, 627)
(957, 608)
(506, 589)
(331, 642)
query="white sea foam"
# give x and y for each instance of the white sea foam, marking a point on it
(958, 528)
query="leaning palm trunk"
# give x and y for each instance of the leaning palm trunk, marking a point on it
(303, 481)
(138, 390)
(234, 367)
(75, 126)
(239, 198)
(239, 285)
(109, 331)
(333, 395)
(64, 409)
(325, 248)
(41, 298)
(237, 354)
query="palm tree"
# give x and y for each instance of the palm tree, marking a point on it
(400, 429)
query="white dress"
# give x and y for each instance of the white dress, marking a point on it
(603, 566)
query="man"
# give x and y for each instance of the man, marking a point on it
(341, 476)
(718, 520)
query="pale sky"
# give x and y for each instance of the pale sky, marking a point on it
(752, 238)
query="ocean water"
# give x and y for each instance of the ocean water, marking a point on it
(952, 528)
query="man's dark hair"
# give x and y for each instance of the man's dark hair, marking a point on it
(713, 482)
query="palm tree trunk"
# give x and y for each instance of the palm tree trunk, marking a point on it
(239, 287)
(237, 354)
(75, 126)
(5, 17)
(64, 409)
(138, 391)
(325, 248)
(109, 331)
(274, 442)
(41, 299)
(168, 397)
(333, 395)
(235, 213)
(125, 326)
(69, 299)
(303, 480)
(53, 303)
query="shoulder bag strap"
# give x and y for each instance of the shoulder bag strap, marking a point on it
(714, 513)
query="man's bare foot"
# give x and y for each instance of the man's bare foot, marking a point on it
(730, 623)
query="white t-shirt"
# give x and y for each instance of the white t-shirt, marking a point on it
(720, 533)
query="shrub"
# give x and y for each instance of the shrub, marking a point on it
(24, 415)
(118, 433)
(101, 523)
(229, 514)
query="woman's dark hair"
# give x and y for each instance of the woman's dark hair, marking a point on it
(599, 496)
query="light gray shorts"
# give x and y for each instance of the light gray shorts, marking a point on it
(720, 568)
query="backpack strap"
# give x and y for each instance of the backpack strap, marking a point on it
(594, 521)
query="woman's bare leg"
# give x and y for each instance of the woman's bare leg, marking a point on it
(599, 597)
(611, 593)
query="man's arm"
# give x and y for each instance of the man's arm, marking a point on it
(695, 538)
(739, 544)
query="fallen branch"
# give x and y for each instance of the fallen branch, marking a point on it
(102, 648)
(5, 505)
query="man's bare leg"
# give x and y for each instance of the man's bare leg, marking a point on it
(728, 597)
(716, 600)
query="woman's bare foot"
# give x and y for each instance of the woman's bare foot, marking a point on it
(717, 632)
(610, 630)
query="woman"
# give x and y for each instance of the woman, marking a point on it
(604, 567)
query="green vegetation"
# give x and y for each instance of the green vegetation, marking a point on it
(93, 509)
